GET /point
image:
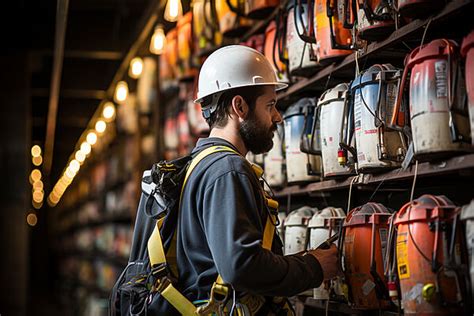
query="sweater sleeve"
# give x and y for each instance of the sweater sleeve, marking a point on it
(234, 231)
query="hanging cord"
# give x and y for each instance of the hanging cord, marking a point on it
(350, 195)
(380, 184)
(414, 182)
(233, 303)
(424, 32)
(357, 63)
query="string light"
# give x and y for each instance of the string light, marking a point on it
(100, 126)
(136, 68)
(91, 138)
(158, 41)
(121, 92)
(35, 151)
(109, 111)
(85, 148)
(173, 10)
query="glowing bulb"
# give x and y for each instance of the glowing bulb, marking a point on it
(100, 126)
(80, 156)
(173, 10)
(86, 148)
(37, 205)
(136, 67)
(69, 173)
(35, 151)
(121, 92)
(37, 161)
(38, 185)
(158, 41)
(109, 111)
(38, 196)
(35, 175)
(31, 219)
(74, 165)
(91, 138)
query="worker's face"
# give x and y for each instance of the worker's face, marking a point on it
(258, 128)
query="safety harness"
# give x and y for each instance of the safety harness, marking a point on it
(220, 291)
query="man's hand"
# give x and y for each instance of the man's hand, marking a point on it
(328, 260)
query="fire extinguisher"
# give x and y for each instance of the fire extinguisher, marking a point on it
(333, 41)
(373, 95)
(300, 167)
(259, 9)
(310, 142)
(331, 105)
(439, 119)
(467, 51)
(231, 17)
(375, 19)
(275, 46)
(171, 51)
(274, 161)
(467, 216)
(205, 25)
(365, 242)
(429, 242)
(322, 226)
(296, 229)
(419, 8)
(185, 46)
(301, 58)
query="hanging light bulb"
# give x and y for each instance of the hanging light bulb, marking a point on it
(37, 161)
(80, 156)
(31, 219)
(108, 112)
(85, 148)
(173, 10)
(158, 41)
(121, 92)
(91, 138)
(35, 151)
(136, 68)
(100, 126)
(74, 165)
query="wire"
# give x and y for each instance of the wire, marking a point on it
(350, 194)
(414, 182)
(233, 303)
(424, 33)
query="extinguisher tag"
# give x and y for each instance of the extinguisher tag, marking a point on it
(402, 256)
(441, 79)
(368, 286)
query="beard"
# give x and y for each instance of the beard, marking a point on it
(257, 138)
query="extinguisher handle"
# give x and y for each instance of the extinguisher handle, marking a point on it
(305, 35)
(348, 12)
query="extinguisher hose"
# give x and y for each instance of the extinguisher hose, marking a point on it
(304, 35)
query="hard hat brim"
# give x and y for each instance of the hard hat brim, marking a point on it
(278, 86)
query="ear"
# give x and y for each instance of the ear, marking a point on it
(240, 107)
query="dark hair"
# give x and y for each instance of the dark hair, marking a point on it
(220, 116)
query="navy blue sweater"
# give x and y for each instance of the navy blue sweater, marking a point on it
(221, 224)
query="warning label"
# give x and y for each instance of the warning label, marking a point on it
(402, 256)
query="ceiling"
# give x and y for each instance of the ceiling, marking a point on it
(99, 35)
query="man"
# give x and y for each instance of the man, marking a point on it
(223, 210)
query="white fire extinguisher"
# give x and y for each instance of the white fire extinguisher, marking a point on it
(439, 119)
(331, 105)
(300, 166)
(296, 229)
(467, 51)
(274, 161)
(300, 52)
(322, 226)
(373, 95)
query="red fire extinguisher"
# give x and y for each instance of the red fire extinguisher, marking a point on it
(438, 115)
(365, 235)
(429, 257)
(375, 19)
(467, 51)
(275, 48)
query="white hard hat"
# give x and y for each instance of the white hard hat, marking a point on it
(232, 67)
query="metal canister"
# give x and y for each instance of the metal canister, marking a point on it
(232, 24)
(331, 104)
(185, 47)
(429, 242)
(467, 216)
(275, 49)
(375, 19)
(296, 229)
(300, 167)
(373, 94)
(439, 118)
(322, 226)
(274, 161)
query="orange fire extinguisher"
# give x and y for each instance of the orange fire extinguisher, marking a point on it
(365, 235)
(205, 25)
(429, 257)
(186, 67)
(333, 41)
(275, 45)
(231, 17)
(171, 51)
(467, 51)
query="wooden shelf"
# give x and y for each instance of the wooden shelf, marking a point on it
(425, 169)
(407, 31)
